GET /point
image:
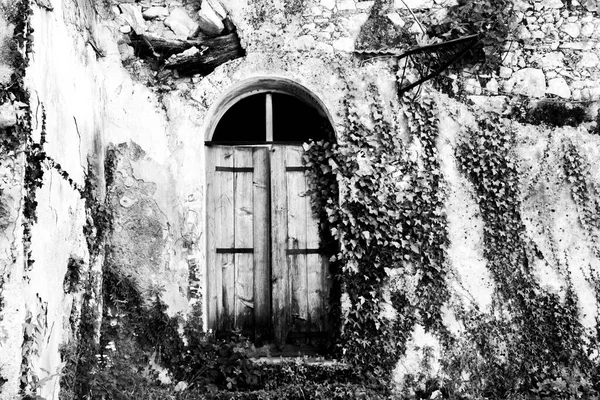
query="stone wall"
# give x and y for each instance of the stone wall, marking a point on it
(99, 97)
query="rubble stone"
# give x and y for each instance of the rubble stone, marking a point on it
(344, 44)
(181, 23)
(492, 86)
(571, 29)
(133, 15)
(587, 30)
(528, 82)
(210, 22)
(559, 87)
(346, 5)
(505, 72)
(156, 12)
(328, 4)
(588, 60)
(552, 60)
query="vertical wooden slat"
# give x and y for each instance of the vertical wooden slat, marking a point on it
(262, 270)
(243, 238)
(212, 190)
(225, 239)
(279, 268)
(317, 271)
(296, 226)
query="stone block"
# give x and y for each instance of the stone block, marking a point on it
(363, 5)
(346, 5)
(133, 15)
(344, 44)
(523, 33)
(328, 4)
(505, 72)
(591, 5)
(552, 60)
(559, 87)
(396, 19)
(553, 4)
(528, 82)
(492, 86)
(156, 12)
(210, 21)
(181, 23)
(472, 86)
(587, 30)
(572, 29)
(588, 60)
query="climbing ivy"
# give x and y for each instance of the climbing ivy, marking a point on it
(388, 228)
(577, 172)
(489, 19)
(532, 342)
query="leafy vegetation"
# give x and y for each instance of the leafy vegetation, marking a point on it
(140, 345)
(490, 19)
(391, 226)
(532, 344)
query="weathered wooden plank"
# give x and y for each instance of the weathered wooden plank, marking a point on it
(225, 239)
(262, 245)
(279, 268)
(212, 187)
(159, 46)
(317, 271)
(226, 311)
(297, 219)
(204, 61)
(244, 232)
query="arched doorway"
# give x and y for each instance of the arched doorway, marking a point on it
(266, 276)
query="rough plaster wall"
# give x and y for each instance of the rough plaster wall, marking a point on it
(6, 34)
(11, 270)
(62, 79)
(549, 213)
(312, 44)
(158, 192)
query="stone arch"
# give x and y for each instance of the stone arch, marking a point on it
(257, 85)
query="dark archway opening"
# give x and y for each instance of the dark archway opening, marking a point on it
(272, 117)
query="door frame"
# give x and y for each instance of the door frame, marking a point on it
(237, 92)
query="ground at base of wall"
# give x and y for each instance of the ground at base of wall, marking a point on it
(275, 378)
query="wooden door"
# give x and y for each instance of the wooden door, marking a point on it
(238, 240)
(299, 270)
(265, 270)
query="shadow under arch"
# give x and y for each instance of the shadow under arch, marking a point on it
(258, 85)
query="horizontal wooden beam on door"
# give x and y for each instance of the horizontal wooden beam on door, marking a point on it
(303, 251)
(252, 142)
(296, 169)
(235, 251)
(234, 169)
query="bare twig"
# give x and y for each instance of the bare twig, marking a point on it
(414, 16)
